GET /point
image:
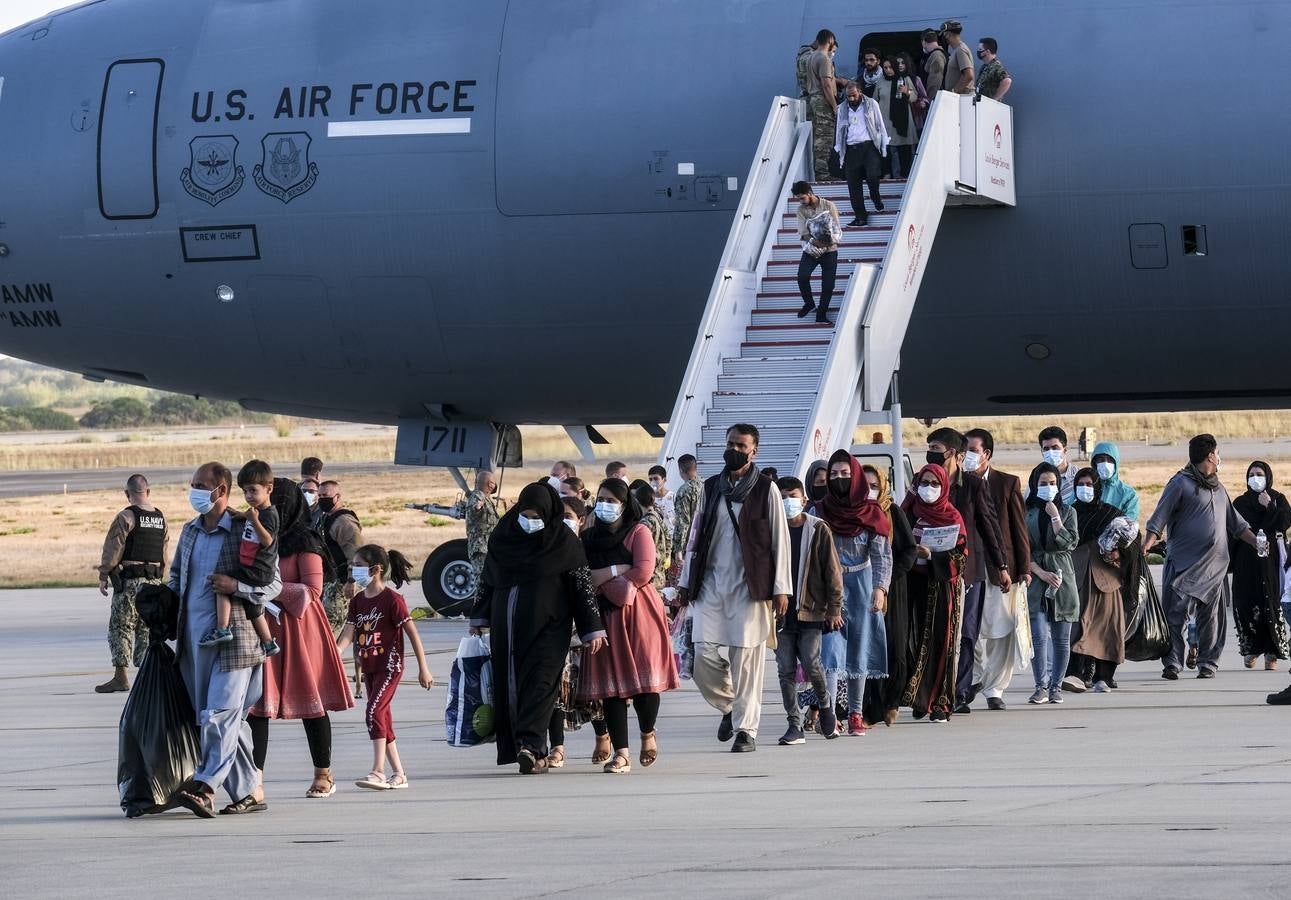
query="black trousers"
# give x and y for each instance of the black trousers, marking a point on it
(861, 166)
(556, 728)
(318, 733)
(828, 263)
(901, 158)
(616, 716)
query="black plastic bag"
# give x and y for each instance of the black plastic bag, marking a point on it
(158, 747)
(1147, 633)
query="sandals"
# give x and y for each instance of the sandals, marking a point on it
(247, 804)
(603, 751)
(398, 781)
(374, 781)
(556, 758)
(323, 786)
(196, 800)
(648, 757)
(621, 764)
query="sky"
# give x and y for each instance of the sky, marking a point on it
(18, 12)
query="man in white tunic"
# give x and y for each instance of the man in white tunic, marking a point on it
(737, 576)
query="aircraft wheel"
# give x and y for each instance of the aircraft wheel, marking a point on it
(448, 579)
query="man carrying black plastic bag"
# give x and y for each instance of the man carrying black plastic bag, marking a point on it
(158, 748)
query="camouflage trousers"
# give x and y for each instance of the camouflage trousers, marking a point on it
(127, 635)
(823, 126)
(336, 605)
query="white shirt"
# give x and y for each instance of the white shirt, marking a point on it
(857, 130)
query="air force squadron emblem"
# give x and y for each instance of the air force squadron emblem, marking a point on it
(213, 174)
(285, 171)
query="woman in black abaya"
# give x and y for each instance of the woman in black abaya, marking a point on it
(535, 587)
(1257, 581)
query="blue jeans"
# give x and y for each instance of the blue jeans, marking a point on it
(1052, 643)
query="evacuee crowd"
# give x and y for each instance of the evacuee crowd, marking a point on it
(600, 603)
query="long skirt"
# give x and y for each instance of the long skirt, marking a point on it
(881, 696)
(937, 607)
(1257, 603)
(526, 680)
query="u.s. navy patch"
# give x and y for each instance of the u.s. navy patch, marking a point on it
(213, 174)
(285, 171)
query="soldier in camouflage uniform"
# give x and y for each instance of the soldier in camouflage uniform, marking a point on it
(822, 101)
(480, 511)
(134, 554)
(652, 519)
(687, 499)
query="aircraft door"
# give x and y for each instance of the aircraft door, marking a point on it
(127, 150)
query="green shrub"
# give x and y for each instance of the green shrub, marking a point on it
(122, 412)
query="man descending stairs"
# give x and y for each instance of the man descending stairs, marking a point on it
(775, 379)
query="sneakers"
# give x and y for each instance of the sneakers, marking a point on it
(1040, 696)
(793, 736)
(271, 647)
(744, 743)
(1100, 687)
(938, 717)
(828, 724)
(807, 309)
(1055, 695)
(962, 708)
(995, 703)
(215, 636)
(855, 725)
(1073, 684)
(1205, 673)
(726, 729)
(1170, 673)
(1281, 698)
(860, 221)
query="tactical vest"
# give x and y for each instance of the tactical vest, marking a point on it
(146, 542)
(336, 558)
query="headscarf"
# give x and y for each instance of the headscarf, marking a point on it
(1092, 517)
(938, 514)
(294, 532)
(1114, 491)
(515, 556)
(604, 546)
(857, 513)
(811, 478)
(1034, 501)
(1258, 516)
(880, 481)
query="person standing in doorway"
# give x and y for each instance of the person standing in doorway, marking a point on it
(933, 64)
(737, 573)
(895, 95)
(134, 554)
(959, 62)
(820, 230)
(994, 80)
(1194, 512)
(862, 143)
(822, 100)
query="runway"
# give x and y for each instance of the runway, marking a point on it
(35, 483)
(1159, 789)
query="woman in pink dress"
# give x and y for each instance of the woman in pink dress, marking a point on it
(306, 680)
(637, 664)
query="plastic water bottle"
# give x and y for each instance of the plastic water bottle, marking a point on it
(1261, 543)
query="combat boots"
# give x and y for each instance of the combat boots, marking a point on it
(118, 682)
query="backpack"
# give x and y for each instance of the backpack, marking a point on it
(335, 565)
(804, 78)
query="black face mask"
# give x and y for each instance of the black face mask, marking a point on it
(840, 487)
(936, 459)
(981, 55)
(817, 492)
(735, 459)
(327, 504)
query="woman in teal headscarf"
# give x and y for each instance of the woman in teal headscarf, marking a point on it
(1107, 463)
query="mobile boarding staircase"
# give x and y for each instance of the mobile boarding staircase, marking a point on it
(807, 386)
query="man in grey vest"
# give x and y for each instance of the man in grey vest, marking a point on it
(134, 554)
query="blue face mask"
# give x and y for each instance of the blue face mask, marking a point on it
(1084, 493)
(792, 507)
(608, 512)
(1053, 457)
(361, 575)
(531, 526)
(1106, 470)
(200, 500)
(1047, 492)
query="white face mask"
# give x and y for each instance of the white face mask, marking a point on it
(656, 484)
(1257, 483)
(792, 507)
(200, 500)
(1053, 457)
(1219, 463)
(1106, 470)
(972, 461)
(311, 498)
(1047, 492)
(573, 525)
(361, 575)
(608, 512)
(929, 493)
(1084, 493)
(531, 526)
(874, 493)
(554, 482)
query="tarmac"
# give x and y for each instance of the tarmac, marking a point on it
(1158, 789)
